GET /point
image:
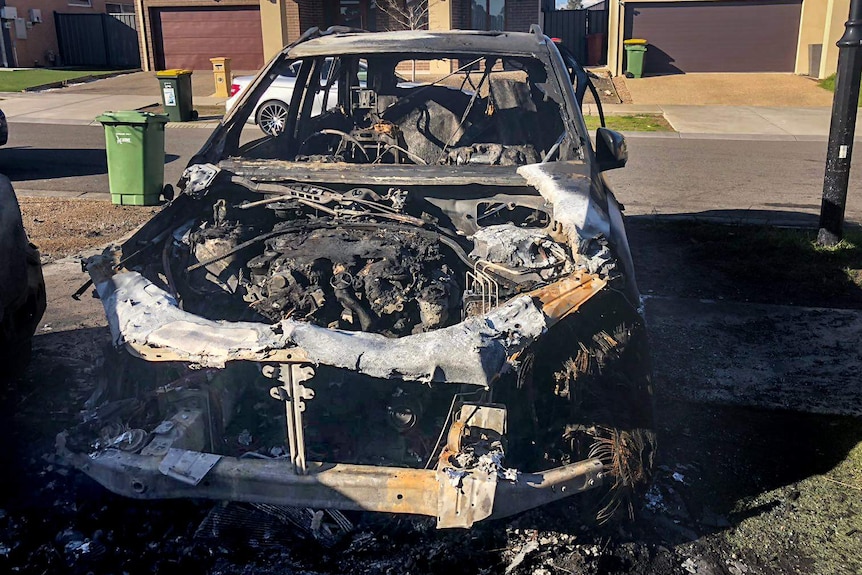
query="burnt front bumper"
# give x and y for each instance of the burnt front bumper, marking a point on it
(340, 486)
(173, 463)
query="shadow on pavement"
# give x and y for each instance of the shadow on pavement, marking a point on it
(25, 163)
(745, 255)
(719, 464)
(739, 217)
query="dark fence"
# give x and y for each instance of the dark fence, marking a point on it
(98, 40)
(570, 26)
(573, 26)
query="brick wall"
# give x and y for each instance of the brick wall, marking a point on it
(42, 37)
(302, 15)
(520, 14)
(460, 14)
(310, 14)
(406, 67)
(293, 20)
(384, 20)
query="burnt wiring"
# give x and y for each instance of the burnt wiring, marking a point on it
(452, 244)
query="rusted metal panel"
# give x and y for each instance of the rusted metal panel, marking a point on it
(564, 297)
(189, 37)
(756, 36)
(327, 485)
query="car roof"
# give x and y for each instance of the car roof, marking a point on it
(422, 42)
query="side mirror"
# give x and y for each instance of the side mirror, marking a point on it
(611, 150)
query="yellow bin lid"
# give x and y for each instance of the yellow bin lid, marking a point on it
(635, 42)
(172, 73)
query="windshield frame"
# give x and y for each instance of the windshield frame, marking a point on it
(225, 141)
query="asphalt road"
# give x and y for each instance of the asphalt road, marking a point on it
(776, 182)
(46, 158)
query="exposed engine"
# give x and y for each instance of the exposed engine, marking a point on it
(374, 262)
(379, 277)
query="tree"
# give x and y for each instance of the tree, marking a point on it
(574, 5)
(406, 14)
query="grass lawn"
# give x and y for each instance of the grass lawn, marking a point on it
(635, 123)
(829, 84)
(18, 80)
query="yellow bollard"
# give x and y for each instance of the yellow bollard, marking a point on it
(222, 76)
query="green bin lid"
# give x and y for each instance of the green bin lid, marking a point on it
(173, 73)
(131, 117)
(635, 42)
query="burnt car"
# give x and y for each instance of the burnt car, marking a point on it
(22, 287)
(417, 298)
(4, 129)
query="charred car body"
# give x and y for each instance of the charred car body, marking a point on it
(416, 298)
(22, 287)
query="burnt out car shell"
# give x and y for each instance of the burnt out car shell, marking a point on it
(22, 287)
(422, 318)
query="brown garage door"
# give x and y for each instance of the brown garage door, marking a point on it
(753, 36)
(189, 37)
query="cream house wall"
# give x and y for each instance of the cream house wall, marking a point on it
(836, 16)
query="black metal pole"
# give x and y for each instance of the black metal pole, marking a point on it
(842, 129)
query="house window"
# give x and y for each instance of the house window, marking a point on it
(120, 8)
(487, 14)
(350, 13)
(82, 3)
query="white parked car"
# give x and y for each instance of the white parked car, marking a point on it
(271, 111)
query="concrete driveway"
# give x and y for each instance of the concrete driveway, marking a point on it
(771, 90)
(80, 104)
(146, 84)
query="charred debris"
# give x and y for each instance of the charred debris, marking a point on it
(417, 300)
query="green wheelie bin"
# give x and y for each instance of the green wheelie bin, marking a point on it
(135, 146)
(635, 50)
(176, 88)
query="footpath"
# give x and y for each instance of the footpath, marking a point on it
(772, 123)
(81, 108)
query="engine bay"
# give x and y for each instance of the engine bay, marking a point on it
(392, 261)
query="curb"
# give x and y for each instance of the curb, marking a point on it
(79, 80)
(801, 221)
(736, 137)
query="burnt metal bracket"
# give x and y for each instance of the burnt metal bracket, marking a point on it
(467, 494)
(294, 395)
(464, 498)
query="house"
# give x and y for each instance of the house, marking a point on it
(791, 36)
(187, 33)
(29, 33)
